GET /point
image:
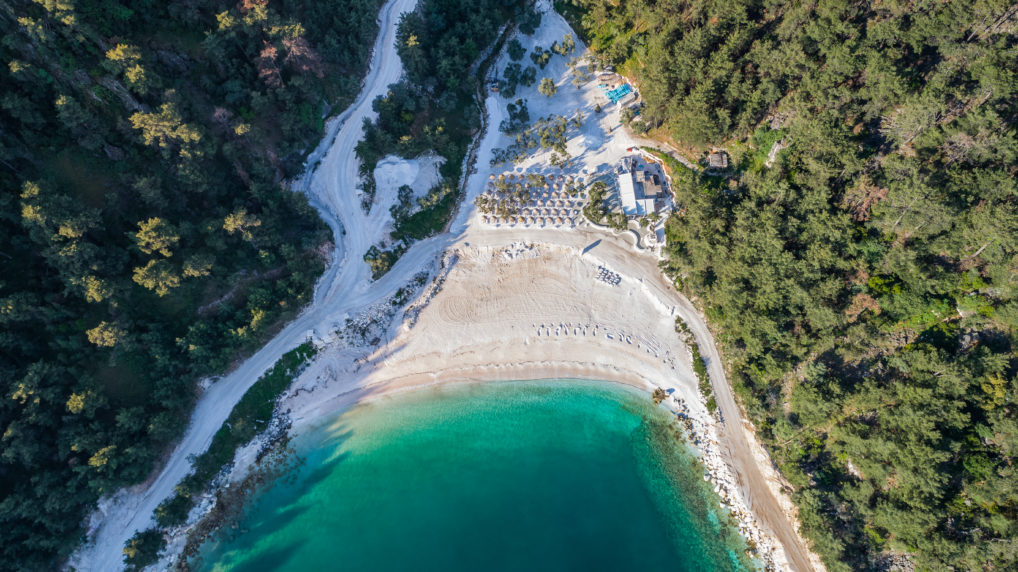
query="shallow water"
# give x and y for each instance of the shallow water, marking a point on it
(551, 475)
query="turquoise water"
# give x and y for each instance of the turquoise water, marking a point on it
(562, 475)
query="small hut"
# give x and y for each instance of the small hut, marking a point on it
(718, 160)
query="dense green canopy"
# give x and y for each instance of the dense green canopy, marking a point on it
(863, 282)
(145, 238)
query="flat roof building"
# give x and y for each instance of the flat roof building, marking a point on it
(638, 187)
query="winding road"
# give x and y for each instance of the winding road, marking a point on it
(346, 287)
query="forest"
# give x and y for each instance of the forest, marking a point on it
(858, 262)
(147, 238)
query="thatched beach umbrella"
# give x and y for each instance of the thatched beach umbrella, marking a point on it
(558, 220)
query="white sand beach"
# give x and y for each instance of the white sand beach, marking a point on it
(521, 310)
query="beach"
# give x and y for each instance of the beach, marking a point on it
(481, 303)
(522, 311)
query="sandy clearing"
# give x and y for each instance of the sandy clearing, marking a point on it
(421, 174)
(392, 172)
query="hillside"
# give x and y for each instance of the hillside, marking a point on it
(862, 284)
(146, 238)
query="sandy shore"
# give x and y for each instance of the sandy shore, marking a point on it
(527, 310)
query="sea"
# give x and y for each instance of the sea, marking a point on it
(553, 475)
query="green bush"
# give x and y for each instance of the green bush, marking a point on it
(143, 549)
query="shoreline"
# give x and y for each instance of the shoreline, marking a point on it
(503, 304)
(699, 436)
(344, 376)
(639, 348)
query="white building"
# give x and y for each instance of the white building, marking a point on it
(638, 188)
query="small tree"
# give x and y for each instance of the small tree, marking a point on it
(516, 50)
(105, 335)
(143, 549)
(404, 204)
(165, 128)
(529, 76)
(540, 56)
(568, 44)
(529, 21)
(547, 87)
(156, 235)
(519, 116)
(174, 510)
(242, 222)
(659, 395)
(126, 59)
(157, 275)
